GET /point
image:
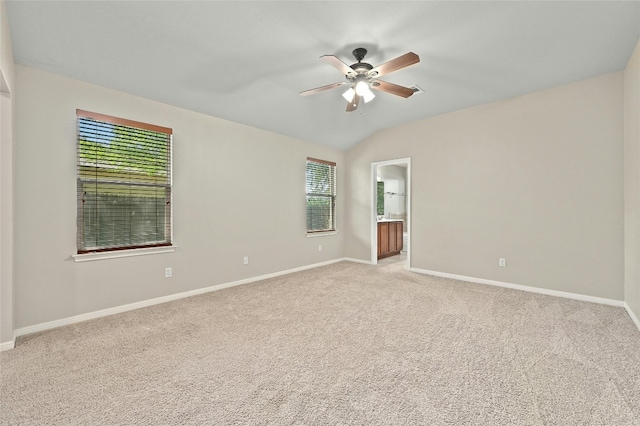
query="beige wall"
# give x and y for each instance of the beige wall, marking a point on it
(237, 191)
(537, 179)
(7, 77)
(632, 181)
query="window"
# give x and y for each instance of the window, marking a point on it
(321, 196)
(380, 199)
(124, 184)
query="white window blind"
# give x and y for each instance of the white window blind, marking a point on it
(321, 195)
(124, 184)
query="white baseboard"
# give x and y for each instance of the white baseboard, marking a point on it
(566, 295)
(5, 346)
(632, 315)
(150, 302)
(351, 259)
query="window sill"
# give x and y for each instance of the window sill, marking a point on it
(87, 257)
(321, 234)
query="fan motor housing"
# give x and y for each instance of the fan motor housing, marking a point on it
(361, 67)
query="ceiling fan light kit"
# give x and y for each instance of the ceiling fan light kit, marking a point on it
(350, 94)
(362, 77)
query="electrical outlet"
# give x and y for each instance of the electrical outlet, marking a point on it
(502, 262)
(246, 260)
(167, 272)
(320, 247)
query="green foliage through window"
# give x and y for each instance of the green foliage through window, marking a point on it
(321, 195)
(124, 184)
(380, 199)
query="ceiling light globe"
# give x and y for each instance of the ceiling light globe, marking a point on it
(362, 88)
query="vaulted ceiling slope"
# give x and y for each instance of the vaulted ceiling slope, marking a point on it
(247, 61)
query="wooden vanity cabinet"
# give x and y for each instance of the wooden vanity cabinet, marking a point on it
(389, 238)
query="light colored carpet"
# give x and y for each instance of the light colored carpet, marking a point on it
(345, 344)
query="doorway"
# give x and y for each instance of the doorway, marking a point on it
(391, 202)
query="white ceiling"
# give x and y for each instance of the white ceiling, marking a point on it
(247, 61)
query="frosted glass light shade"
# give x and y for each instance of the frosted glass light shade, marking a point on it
(349, 94)
(368, 95)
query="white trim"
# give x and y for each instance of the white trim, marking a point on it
(566, 295)
(5, 346)
(632, 315)
(374, 211)
(150, 302)
(87, 257)
(145, 303)
(351, 259)
(321, 234)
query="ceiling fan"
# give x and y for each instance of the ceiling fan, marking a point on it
(361, 77)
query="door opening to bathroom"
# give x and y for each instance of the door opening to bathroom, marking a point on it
(391, 212)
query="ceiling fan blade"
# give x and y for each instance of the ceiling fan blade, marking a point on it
(394, 89)
(395, 64)
(322, 88)
(353, 105)
(341, 66)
